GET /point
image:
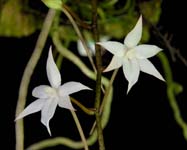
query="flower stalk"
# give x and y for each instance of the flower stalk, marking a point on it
(80, 130)
(65, 11)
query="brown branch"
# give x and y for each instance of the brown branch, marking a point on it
(99, 75)
(166, 41)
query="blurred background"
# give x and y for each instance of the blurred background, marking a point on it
(143, 118)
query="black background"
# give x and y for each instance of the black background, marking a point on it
(141, 119)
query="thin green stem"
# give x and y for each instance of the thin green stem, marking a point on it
(59, 61)
(80, 130)
(108, 91)
(27, 76)
(79, 35)
(105, 98)
(86, 110)
(171, 86)
(99, 75)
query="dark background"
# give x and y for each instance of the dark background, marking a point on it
(141, 119)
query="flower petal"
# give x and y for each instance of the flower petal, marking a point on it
(32, 108)
(116, 48)
(42, 91)
(48, 111)
(115, 63)
(134, 36)
(146, 51)
(147, 67)
(131, 71)
(65, 102)
(53, 73)
(71, 87)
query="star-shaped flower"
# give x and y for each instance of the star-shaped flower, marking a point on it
(51, 96)
(132, 57)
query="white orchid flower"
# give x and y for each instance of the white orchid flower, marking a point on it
(132, 57)
(51, 96)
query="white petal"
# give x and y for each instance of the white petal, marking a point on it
(65, 102)
(32, 108)
(131, 71)
(48, 111)
(146, 51)
(42, 91)
(147, 67)
(71, 87)
(134, 36)
(116, 48)
(115, 63)
(53, 73)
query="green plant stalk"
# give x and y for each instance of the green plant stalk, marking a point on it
(105, 98)
(80, 130)
(171, 93)
(47, 143)
(79, 35)
(59, 61)
(27, 76)
(99, 75)
(86, 110)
